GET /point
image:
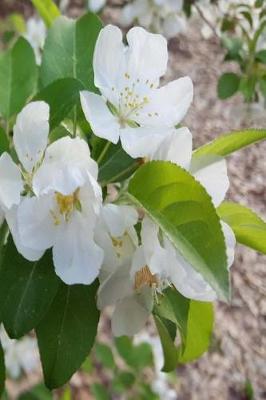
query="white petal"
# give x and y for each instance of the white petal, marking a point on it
(172, 25)
(96, 5)
(119, 218)
(167, 105)
(31, 133)
(11, 184)
(215, 180)
(26, 252)
(37, 228)
(108, 60)
(230, 242)
(130, 316)
(103, 123)
(147, 55)
(65, 167)
(116, 287)
(143, 141)
(177, 148)
(77, 258)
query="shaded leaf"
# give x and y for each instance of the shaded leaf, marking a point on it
(228, 85)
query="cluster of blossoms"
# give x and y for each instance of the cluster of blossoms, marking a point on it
(52, 199)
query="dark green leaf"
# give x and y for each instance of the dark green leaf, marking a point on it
(104, 355)
(2, 371)
(47, 9)
(169, 349)
(185, 213)
(138, 356)
(123, 381)
(67, 332)
(248, 227)
(39, 392)
(61, 95)
(26, 290)
(99, 392)
(228, 85)
(68, 50)
(4, 143)
(228, 143)
(261, 56)
(18, 77)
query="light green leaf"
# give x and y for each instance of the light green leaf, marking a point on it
(68, 50)
(136, 356)
(47, 9)
(2, 371)
(185, 213)
(228, 143)
(104, 355)
(99, 392)
(39, 392)
(195, 321)
(67, 332)
(228, 85)
(26, 290)
(169, 349)
(248, 227)
(18, 77)
(61, 95)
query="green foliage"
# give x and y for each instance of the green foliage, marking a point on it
(99, 392)
(47, 9)
(228, 85)
(229, 143)
(104, 355)
(135, 356)
(67, 332)
(248, 227)
(123, 381)
(18, 77)
(186, 215)
(26, 290)
(62, 96)
(169, 350)
(39, 392)
(2, 371)
(4, 143)
(68, 50)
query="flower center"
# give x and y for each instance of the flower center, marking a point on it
(66, 205)
(144, 277)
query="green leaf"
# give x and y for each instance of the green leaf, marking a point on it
(18, 77)
(99, 392)
(115, 165)
(261, 56)
(248, 227)
(47, 9)
(68, 50)
(26, 290)
(228, 143)
(123, 381)
(195, 321)
(185, 213)
(2, 371)
(169, 349)
(66, 334)
(39, 392)
(61, 95)
(4, 143)
(228, 85)
(138, 356)
(104, 355)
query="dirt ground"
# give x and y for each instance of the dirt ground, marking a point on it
(238, 354)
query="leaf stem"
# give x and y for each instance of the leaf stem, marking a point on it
(104, 151)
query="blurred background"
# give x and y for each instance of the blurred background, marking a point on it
(208, 42)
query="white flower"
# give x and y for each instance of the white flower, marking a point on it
(132, 107)
(20, 355)
(35, 34)
(30, 140)
(96, 5)
(64, 211)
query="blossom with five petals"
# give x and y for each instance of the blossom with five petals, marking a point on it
(131, 106)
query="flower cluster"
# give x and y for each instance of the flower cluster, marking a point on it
(51, 198)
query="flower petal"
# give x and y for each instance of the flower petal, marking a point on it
(77, 258)
(130, 316)
(230, 242)
(215, 180)
(11, 184)
(36, 226)
(147, 55)
(176, 147)
(119, 218)
(103, 123)
(167, 105)
(143, 141)
(65, 167)
(26, 252)
(31, 133)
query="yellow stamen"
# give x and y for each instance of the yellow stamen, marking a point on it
(144, 277)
